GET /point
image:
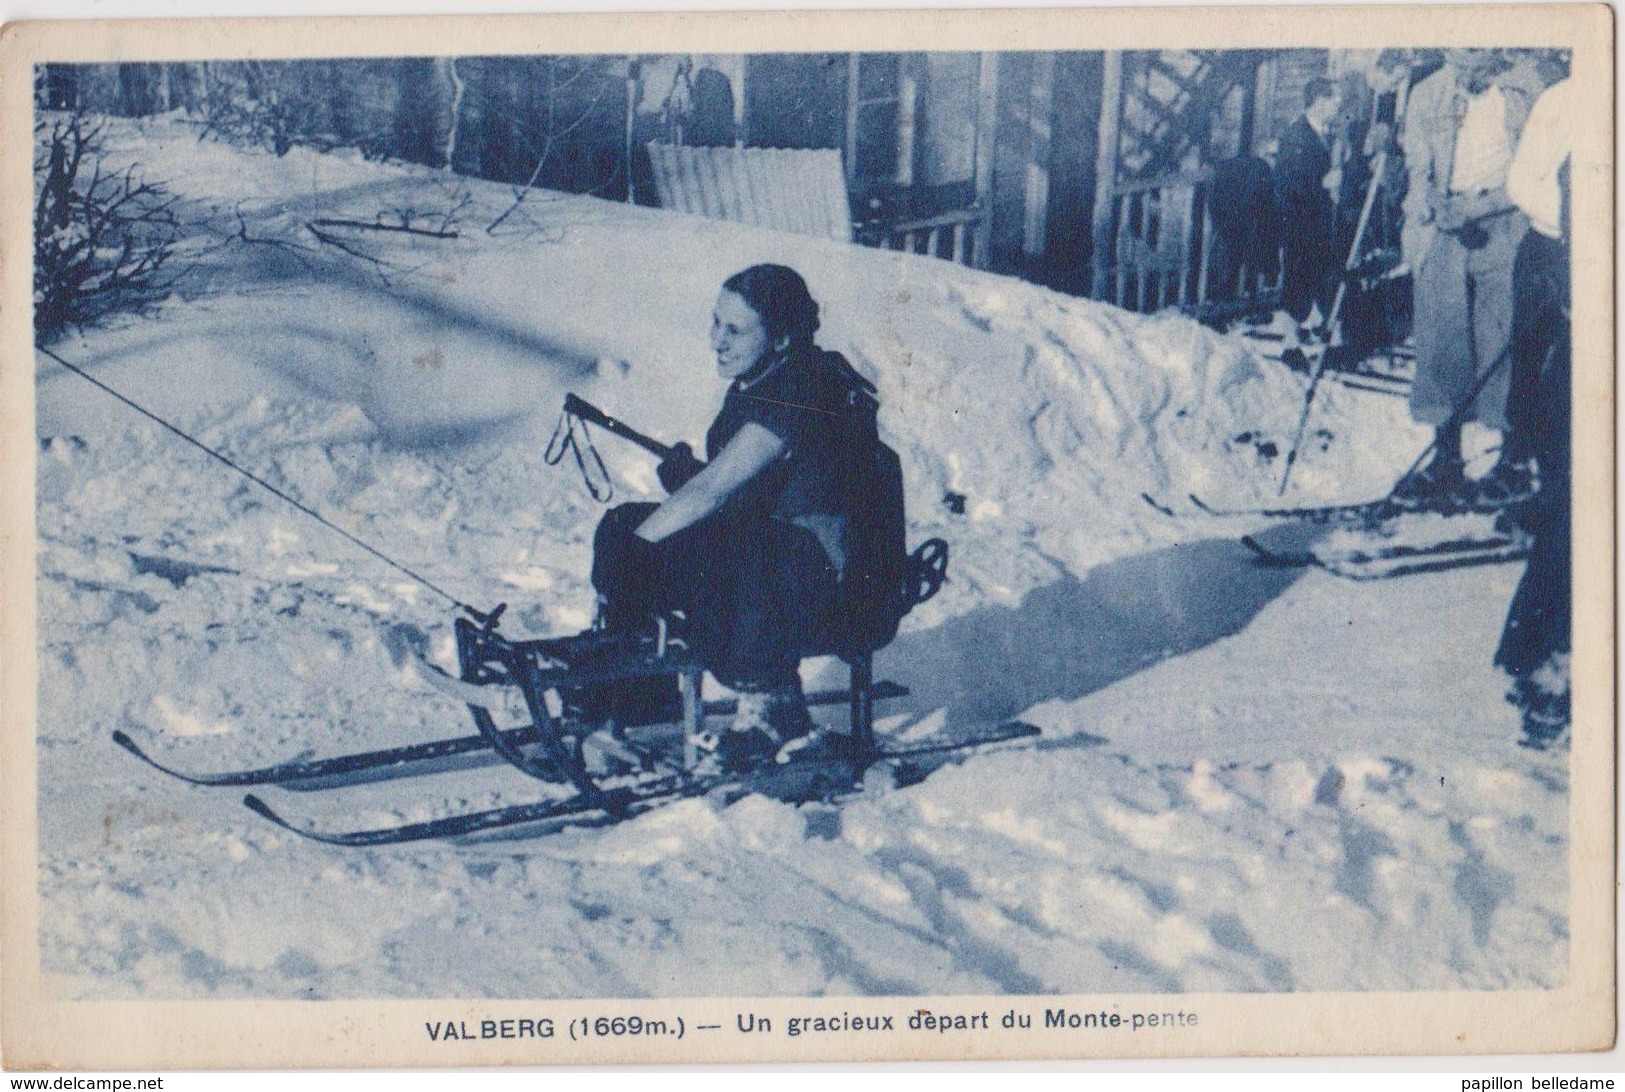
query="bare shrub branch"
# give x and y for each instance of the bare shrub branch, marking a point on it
(102, 239)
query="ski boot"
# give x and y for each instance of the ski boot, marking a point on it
(822, 745)
(1543, 697)
(1508, 483)
(765, 721)
(1440, 485)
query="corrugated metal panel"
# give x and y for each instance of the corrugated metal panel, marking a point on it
(786, 190)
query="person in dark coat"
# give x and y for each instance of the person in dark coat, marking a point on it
(1537, 639)
(1304, 183)
(1242, 204)
(711, 116)
(751, 545)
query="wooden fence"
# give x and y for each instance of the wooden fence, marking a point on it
(959, 236)
(1156, 248)
(802, 192)
(797, 191)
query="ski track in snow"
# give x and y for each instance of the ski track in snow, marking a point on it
(1248, 778)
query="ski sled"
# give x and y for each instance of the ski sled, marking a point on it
(611, 767)
(1410, 543)
(616, 723)
(615, 765)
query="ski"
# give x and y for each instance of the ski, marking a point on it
(1375, 381)
(1400, 560)
(1375, 387)
(432, 757)
(614, 804)
(411, 760)
(800, 780)
(1326, 513)
(1381, 564)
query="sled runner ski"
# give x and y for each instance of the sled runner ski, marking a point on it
(418, 759)
(825, 779)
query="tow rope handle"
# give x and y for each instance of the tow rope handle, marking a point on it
(586, 411)
(487, 619)
(570, 436)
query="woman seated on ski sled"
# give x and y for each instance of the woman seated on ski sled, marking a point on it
(750, 545)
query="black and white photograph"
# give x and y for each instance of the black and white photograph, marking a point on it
(1023, 541)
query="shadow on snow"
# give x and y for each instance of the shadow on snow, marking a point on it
(1073, 637)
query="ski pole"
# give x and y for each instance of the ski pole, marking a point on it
(1460, 413)
(1303, 421)
(1318, 368)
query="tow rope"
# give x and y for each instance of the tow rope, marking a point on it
(477, 615)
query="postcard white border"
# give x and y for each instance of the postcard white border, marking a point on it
(38, 1032)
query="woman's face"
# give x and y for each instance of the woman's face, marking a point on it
(738, 336)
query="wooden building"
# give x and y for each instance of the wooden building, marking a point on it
(1091, 172)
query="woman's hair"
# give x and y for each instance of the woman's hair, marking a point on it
(779, 295)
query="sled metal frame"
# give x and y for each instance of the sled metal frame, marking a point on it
(556, 746)
(535, 667)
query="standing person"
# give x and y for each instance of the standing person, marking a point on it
(1537, 183)
(1535, 643)
(711, 115)
(1460, 237)
(1305, 181)
(1241, 202)
(1376, 309)
(750, 546)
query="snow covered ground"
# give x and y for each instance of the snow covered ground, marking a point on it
(1249, 778)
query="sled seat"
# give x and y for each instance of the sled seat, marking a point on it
(493, 664)
(877, 598)
(862, 692)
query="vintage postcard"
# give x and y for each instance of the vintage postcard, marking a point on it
(805, 537)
